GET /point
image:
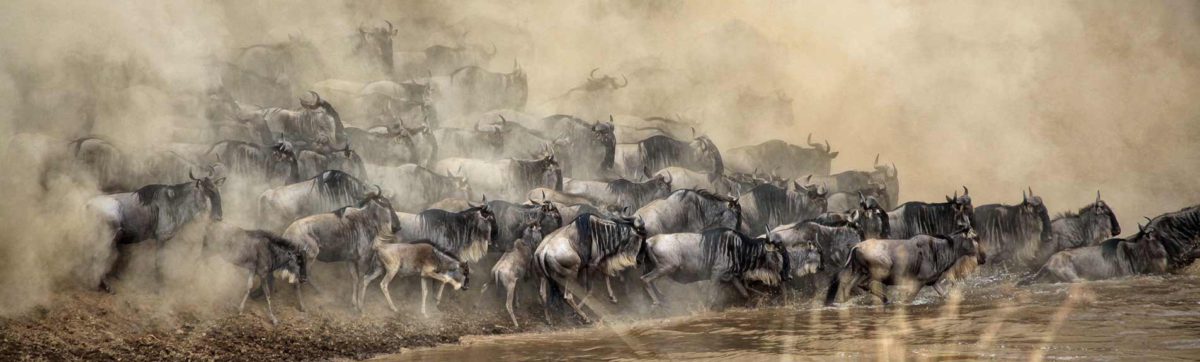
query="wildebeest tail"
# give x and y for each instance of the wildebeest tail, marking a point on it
(831, 294)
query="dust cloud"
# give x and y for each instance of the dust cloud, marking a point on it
(1064, 97)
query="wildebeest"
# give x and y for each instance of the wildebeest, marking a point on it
(485, 143)
(315, 122)
(442, 59)
(884, 179)
(1179, 233)
(467, 234)
(514, 266)
(472, 89)
(767, 206)
(587, 149)
(512, 219)
(690, 211)
(595, 84)
(1012, 233)
(347, 234)
(1089, 226)
(908, 263)
(790, 160)
(374, 46)
(270, 74)
(394, 146)
(682, 178)
(589, 246)
(843, 201)
(659, 152)
(621, 193)
(833, 242)
(919, 218)
(1113, 258)
(419, 186)
(322, 157)
(508, 179)
(155, 212)
(569, 212)
(722, 255)
(275, 164)
(420, 258)
(331, 190)
(261, 253)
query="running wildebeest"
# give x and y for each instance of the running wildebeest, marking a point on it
(603, 83)
(690, 211)
(467, 234)
(1089, 226)
(331, 190)
(659, 152)
(394, 146)
(767, 206)
(1113, 258)
(316, 122)
(587, 149)
(1012, 233)
(833, 242)
(621, 193)
(347, 235)
(910, 264)
(590, 245)
(472, 89)
(514, 266)
(155, 212)
(919, 218)
(508, 179)
(275, 164)
(261, 253)
(721, 255)
(421, 186)
(884, 178)
(322, 158)
(790, 160)
(1179, 232)
(682, 178)
(420, 258)
(512, 220)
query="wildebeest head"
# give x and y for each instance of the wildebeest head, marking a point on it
(1100, 210)
(493, 134)
(807, 258)
(376, 44)
(706, 151)
(548, 209)
(871, 215)
(816, 195)
(966, 241)
(1147, 250)
(532, 234)
(209, 191)
(377, 198)
(825, 148)
(606, 82)
(962, 204)
(483, 219)
(282, 163)
(1034, 212)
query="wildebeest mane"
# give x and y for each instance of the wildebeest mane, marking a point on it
(337, 188)
(530, 172)
(722, 245)
(514, 218)
(635, 193)
(662, 151)
(926, 218)
(599, 238)
(1178, 232)
(459, 231)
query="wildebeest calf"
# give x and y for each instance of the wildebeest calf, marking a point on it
(261, 253)
(1113, 258)
(513, 266)
(420, 258)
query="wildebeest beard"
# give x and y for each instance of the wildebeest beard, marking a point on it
(176, 205)
(512, 220)
(1179, 233)
(782, 206)
(711, 207)
(1084, 224)
(532, 173)
(459, 232)
(924, 218)
(1007, 229)
(336, 188)
(605, 242)
(734, 251)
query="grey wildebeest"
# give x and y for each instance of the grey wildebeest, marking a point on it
(587, 149)
(272, 73)
(682, 178)
(514, 266)
(621, 193)
(155, 212)
(394, 146)
(590, 245)
(910, 264)
(261, 253)
(598, 84)
(420, 258)
(767, 206)
(275, 164)
(421, 187)
(472, 89)
(884, 179)
(331, 190)
(1179, 232)
(832, 243)
(690, 211)
(919, 218)
(512, 220)
(467, 234)
(323, 157)
(659, 152)
(721, 255)
(486, 143)
(374, 47)
(790, 160)
(443, 59)
(508, 179)
(1112, 258)
(1091, 225)
(315, 122)
(843, 201)
(347, 235)
(1012, 234)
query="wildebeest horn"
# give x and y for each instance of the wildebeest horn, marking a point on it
(809, 140)
(876, 164)
(543, 195)
(808, 178)
(610, 119)
(895, 172)
(1023, 197)
(378, 191)
(828, 148)
(515, 65)
(390, 28)
(861, 198)
(1030, 191)
(965, 191)
(693, 132)
(192, 177)
(592, 75)
(626, 81)
(1097, 195)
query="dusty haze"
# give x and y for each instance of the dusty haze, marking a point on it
(1065, 97)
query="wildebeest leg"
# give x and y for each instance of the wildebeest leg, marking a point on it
(511, 288)
(383, 286)
(366, 281)
(299, 298)
(424, 294)
(651, 289)
(249, 288)
(267, 296)
(158, 256)
(437, 299)
(110, 270)
(937, 287)
(741, 289)
(608, 284)
(877, 289)
(353, 269)
(570, 299)
(545, 298)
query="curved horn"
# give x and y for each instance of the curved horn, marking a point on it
(318, 98)
(895, 172)
(876, 164)
(503, 121)
(828, 148)
(543, 195)
(624, 84)
(693, 132)
(592, 75)
(809, 140)
(965, 191)
(378, 191)
(192, 177)
(390, 28)
(1030, 191)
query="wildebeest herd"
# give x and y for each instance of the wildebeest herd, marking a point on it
(559, 202)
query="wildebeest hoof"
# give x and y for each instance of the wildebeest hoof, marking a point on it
(613, 300)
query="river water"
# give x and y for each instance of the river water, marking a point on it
(1143, 318)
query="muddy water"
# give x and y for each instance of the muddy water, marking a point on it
(1149, 318)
